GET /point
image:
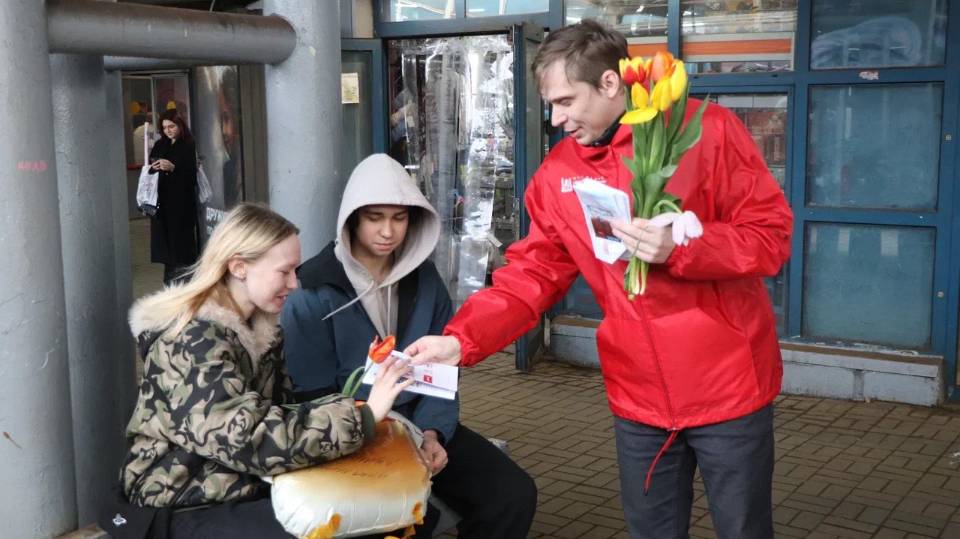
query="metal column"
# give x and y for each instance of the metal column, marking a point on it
(304, 122)
(116, 135)
(37, 480)
(139, 30)
(89, 273)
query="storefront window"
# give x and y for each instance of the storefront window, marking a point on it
(874, 146)
(738, 37)
(492, 8)
(864, 283)
(418, 10)
(138, 94)
(172, 92)
(644, 22)
(878, 33)
(452, 127)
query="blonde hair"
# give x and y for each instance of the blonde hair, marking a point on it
(246, 233)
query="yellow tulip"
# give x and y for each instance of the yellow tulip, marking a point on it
(678, 80)
(661, 99)
(642, 111)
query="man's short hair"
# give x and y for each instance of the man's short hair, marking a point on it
(588, 49)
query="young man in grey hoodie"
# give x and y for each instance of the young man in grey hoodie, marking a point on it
(376, 279)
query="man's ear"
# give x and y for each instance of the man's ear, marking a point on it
(610, 83)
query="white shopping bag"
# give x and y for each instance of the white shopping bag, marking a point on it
(149, 181)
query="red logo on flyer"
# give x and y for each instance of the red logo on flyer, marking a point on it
(427, 378)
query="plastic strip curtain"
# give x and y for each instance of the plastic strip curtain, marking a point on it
(456, 105)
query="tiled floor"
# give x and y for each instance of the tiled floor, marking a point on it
(844, 469)
(147, 277)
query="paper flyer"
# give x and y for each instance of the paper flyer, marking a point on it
(602, 204)
(431, 379)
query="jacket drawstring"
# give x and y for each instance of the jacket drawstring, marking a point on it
(663, 449)
(351, 302)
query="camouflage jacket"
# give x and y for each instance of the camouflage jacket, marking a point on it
(207, 423)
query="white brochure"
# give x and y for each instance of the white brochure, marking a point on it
(431, 379)
(602, 204)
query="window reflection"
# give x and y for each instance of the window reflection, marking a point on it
(493, 8)
(865, 283)
(643, 22)
(874, 146)
(418, 10)
(878, 33)
(737, 37)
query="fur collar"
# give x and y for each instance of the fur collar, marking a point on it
(256, 338)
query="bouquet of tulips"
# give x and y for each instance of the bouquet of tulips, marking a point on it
(656, 106)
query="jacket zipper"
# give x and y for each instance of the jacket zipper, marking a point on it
(656, 361)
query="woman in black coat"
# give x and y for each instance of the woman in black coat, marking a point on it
(174, 230)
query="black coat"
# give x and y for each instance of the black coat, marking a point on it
(174, 230)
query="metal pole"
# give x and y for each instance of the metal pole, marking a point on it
(133, 63)
(117, 133)
(89, 273)
(304, 122)
(89, 27)
(37, 480)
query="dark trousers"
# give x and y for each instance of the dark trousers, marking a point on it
(237, 520)
(736, 462)
(492, 494)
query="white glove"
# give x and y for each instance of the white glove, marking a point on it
(686, 226)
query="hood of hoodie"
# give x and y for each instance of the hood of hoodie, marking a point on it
(379, 179)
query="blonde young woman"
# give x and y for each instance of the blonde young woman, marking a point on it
(208, 422)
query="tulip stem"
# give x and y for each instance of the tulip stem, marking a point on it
(644, 269)
(354, 380)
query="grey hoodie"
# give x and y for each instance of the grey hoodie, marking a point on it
(379, 179)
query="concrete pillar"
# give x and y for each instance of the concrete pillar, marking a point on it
(117, 134)
(89, 272)
(37, 483)
(304, 125)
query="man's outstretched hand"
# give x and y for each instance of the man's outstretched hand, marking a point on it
(434, 349)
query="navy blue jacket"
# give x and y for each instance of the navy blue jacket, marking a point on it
(321, 354)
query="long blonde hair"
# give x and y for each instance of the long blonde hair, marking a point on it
(247, 232)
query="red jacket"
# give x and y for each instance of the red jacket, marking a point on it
(700, 346)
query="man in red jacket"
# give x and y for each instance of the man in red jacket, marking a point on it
(692, 366)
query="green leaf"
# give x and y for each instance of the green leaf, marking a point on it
(689, 136)
(653, 185)
(657, 144)
(671, 198)
(676, 116)
(667, 171)
(632, 166)
(665, 205)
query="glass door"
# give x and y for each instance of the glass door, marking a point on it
(529, 128)
(362, 98)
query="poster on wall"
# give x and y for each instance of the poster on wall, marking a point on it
(217, 132)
